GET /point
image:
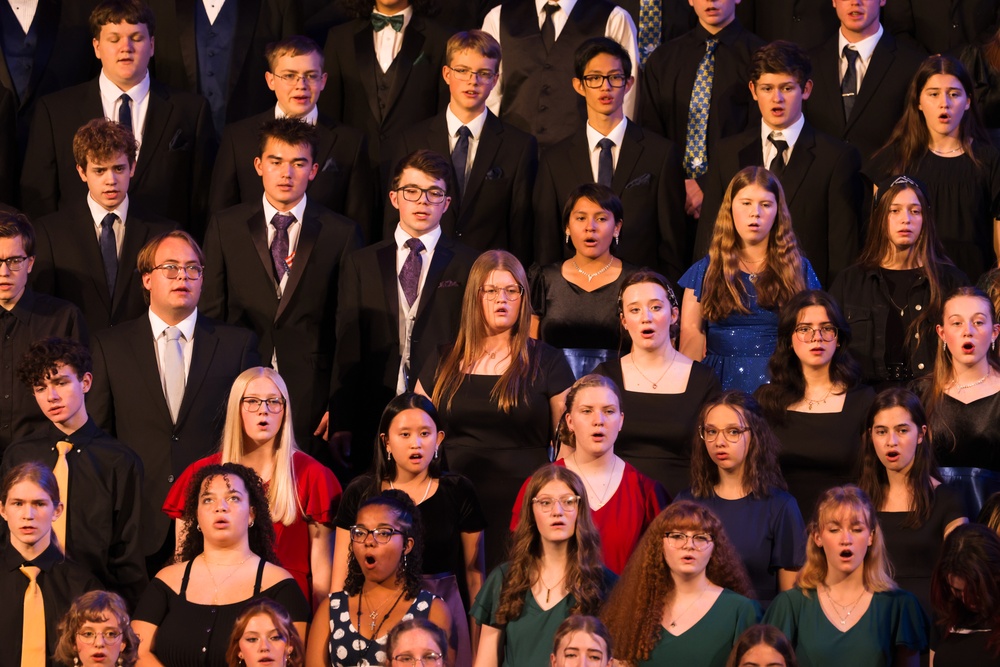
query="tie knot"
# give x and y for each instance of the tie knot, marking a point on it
(281, 221)
(172, 334)
(605, 144)
(710, 45)
(464, 131)
(64, 447)
(415, 245)
(778, 143)
(30, 571)
(851, 54)
(550, 8)
(125, 98)
(109, 220)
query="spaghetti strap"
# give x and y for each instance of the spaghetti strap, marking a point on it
(184, 581)
(260, 577)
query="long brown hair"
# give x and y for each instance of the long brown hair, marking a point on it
(723, 293)
(647, 585)
(282, 623)
(585, 569)
(512, 387)
(971, 552)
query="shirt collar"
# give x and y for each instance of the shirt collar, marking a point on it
(310, 117)
(407, 16)
(475, 125)
(186, 325)
(97, 212)
(565, 5)
(12, 558)
(269, 211)
(112, 92)
(616, 135)
(789, 134)
(430, 239)
(865, 47)
(726, 36)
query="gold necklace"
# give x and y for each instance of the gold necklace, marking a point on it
(636, 367)
(673, 622)
(548, 589)
(843, 619)
(819, 401)
(374, 613)
(236, 568)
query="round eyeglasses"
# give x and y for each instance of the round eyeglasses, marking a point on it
(110, 636)
(699, 541)
(172, 271)
(272, 405)
(380, 535)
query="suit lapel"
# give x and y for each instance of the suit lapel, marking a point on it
(246, 21)
(136, 234)
(157, 114)
(85, 235)
(442, 256)
(189, 47)
(387, 268)
(413, 43)
(798, 166)
(144, 353)
(364, 53)
(486, 152)
(578, 170)
(205, 342)
(257, 227)
(752, 153)
(327, 140)
(878, 67)
(826, 77)
(628, 157)
(308, 235)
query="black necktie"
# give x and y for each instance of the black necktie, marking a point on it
(778, 163)
(460, 157)
(125, 111)
(849, 86)
(605, 162)
(109, 250)
(548, 27)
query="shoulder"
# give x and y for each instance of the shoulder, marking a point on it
(694, 276)
(739, 602)
(112, 339)
(227, 332)
(178, 98)
(452, 482)
(172, 575)
(233, 216)
(51, 306)
(331, 220)
(67, 100)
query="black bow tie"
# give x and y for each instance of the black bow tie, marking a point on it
(380, 21)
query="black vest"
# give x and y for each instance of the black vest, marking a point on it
(18, 49)
(384, 81)
(214, 42)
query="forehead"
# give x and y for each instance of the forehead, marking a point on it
(302, 62)
(411, 176)
(473, 60)
(583, 641)
(412, 417)
(61, 370)
(417, 639)
(843, 515)
(260, 623)
(814, 314)
(220, 484)
(897, 414)
(116, 160)
(644, 292)
(943, 81)
(376, 515)
(556, 488)
(11, 246)
(104, 618)
(585, 204)
(906, 196)
(27, 490)
(781, 79)
(754, 191)
(124, 28)
(724, 414)
(261, 386)
(595, 396)
(275, 147)
(175, 250)
(604, 62)
(500, 278)
(967, 305)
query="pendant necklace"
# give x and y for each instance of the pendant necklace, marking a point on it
(752, 274)
(636, 367)
(591, 276)
(673, 622)
(548, 589)
(607, 486)
(373, 615)
(848, 608)
(819, 401)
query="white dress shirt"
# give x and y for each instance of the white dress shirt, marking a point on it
(408, 313)
(616, 135)
(310, 117)
(790, 134)
(475, 127)
(159, 328)
(865, 48)
(97, 212)
(24, 10)
(212, 8)
(388, 42)
(111, 102)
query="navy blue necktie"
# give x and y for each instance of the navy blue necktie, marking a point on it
(460, 157)
(125, 111)
(849, 86)
(109, 250)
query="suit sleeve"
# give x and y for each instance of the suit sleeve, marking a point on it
(43, 272)
(548, 232)
(714, 192)
(673, 253)
(214, 288)
(225, 189)
(522, 220)
(651, 113)
(39, 177)
(347, 355)
(205, 148)
(100, 403)
(126, 562)
(844, 213)
(361, 193)
(250, 357)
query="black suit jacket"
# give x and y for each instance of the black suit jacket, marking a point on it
(939, 26)
(343, 183)
(259, 23)
(367, 356)
(806, 22)
(171, 175)
(648, 179)
(126, 400)
(240, 289)
(495, 211)
(68, 263)
(879, 103)
(822, 187)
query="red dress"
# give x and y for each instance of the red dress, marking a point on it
(623, 519)
(318, 492)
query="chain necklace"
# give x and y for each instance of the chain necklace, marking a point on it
(430, 480)
(636, 367)
(374, 613)
(607, 486)
(981, 380)
(951, 152)
(673, 622)
(752, 274)
(591, 276)
(836, 607)
(813, 402)
(215, 595)
(548, 589)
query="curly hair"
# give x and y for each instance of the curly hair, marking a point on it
(877, 571)
(103, 140)
(788, 384)
(260, 535)
(585, 570)
(723, 293)
(43, 357)
(282, 624)
(874, 479)
(763, 635)
(761, 472)
(972, 553)
(566, 437)
(410, 564)
(647, 583)
(96, 607)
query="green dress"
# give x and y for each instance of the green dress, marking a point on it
(708, 642)
(527, 640)
(893, 619)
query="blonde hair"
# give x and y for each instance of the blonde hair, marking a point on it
(281, 492)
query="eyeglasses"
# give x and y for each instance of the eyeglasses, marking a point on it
(711, 434)
(380, 535)
(548, 503)
(413, 194)
(14, 263)
(110, 636)
(492, 292)
(807, 334)
(172, 271)
(700, 542)
(466, 74)
(427, 659)
(292, 78)
(597, 80)
(272, 405)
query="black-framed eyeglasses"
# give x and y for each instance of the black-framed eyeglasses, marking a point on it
(492, 292)
(14, 263)
(172, 271)
(700, 541)
(424, 660)
(292, 78)
(272, 405)
(360, 534)
(616, 80)
(548, 503)
(808, 334)
(110, 636)
(711, 434)
(466, 74)
(412, 193)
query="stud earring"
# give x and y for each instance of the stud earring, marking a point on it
(76, 660)
(199, 528)
(251, 523)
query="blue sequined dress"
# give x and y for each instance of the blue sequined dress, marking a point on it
(739, 346)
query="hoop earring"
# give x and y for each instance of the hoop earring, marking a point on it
(251, 524)
(198, 527)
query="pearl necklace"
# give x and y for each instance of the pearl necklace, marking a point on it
(591, 276)
(430, 480)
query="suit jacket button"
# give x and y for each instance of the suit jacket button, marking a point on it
(174, 438)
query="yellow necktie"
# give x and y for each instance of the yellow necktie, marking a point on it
(61, 471)
(33, 630)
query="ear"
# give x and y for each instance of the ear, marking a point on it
(923, 432)
(83, 174)
(578, 86)
(314, 170)
(96, 43)
(940, 331)
(409, 545)
(629, 84)
(675, 314)
(147, 280)
(86, 382)
(56, 513)
(440, 438)
(807, 89)
(447, 203)
(258, 166)
(753, 90)
(269, 79)
(394, 199)
(569, 421)
(446, 74)
(817, 541)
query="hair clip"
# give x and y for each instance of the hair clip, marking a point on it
(905, 180)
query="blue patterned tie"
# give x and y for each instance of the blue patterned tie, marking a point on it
(109, 250)
(650, 28)
(849, 86)
(605, 162)
(695, 150)
(279, 244)
(409, 275)
(460, 157)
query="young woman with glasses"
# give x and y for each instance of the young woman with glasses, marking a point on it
(682, 598)
(96, 632)
(301, 492)
(418, 643)
(815, 402)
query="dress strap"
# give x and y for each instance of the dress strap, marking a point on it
(184, 580)
(260, 576)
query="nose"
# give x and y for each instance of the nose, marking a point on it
(99, 639)
(52, 394)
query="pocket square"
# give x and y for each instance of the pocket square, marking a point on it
(639, 180)
(177, 142)
(330, 165)
(494, 173)
(448, 283)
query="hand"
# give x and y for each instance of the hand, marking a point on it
(340, 447)
(693, 197)
(323, 430)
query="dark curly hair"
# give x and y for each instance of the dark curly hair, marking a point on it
(971, 552)
(411, 564)
(103, 140)
(260, 535)
(43, 356)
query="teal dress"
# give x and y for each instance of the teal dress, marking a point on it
(893, 619)
(708, 642)
(527, 639)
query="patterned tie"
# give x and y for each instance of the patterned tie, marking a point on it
(173, 371)
(109, 251)
(695, 149)
(279, 244)
(409, 275)
(548, 27)
(125, 111)
(460, 157)
(849, 86)
(650, 28)
(33, 628)
(605, 162)
(778, 163)
(380, 21)
(61, 472)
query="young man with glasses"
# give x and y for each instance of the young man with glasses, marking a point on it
(494, 163)
(399, 300)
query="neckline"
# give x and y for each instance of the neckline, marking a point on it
(981, 398)
(857, 623)
(723, 592)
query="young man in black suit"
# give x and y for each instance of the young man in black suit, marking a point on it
(343, 183)
(860, 78)
(100, 520)
(162, 379)
(819, 174)
(85, 252)
(491, 200)
(399, 300)
(808, 23)
(173, 129)
(272, 267)
(643, 169)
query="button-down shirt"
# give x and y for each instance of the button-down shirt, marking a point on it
(865, 49)
(111, 102)
(475, 127)
(388, 42)
(616, 135)
(159, 328)
(408, 313)
(24, 10)
(97, 212)
(790, 135)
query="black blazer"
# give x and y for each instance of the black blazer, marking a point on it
(68, 263)
(171, 175)
(126, 400)
(822, 187)
(367, 355)
(240, 289)
(648, 179)
(806, 22)
(343, 183)
(879, 103)
(939, 26)
(495, 211)
(259, 23)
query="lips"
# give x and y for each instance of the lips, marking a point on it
(892, 456)
(220, 523)
(968, 347)
(846, 554)
(370, 561)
